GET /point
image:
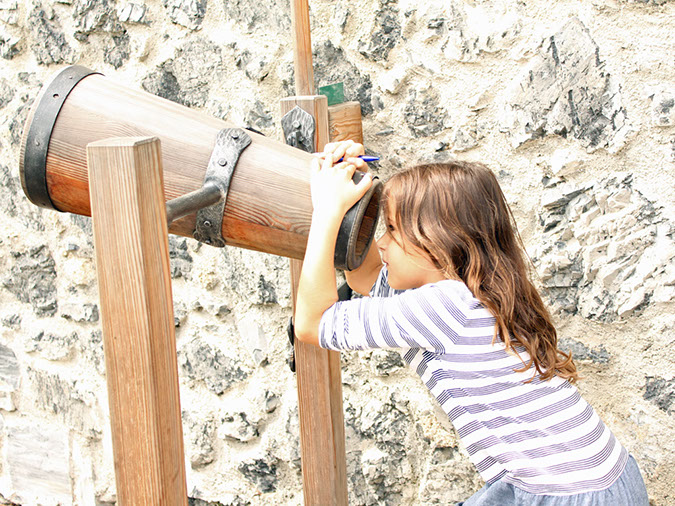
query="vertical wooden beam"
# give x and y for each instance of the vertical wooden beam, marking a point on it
(322, 433)
(302, 48)
(344, 122)
(132, 260)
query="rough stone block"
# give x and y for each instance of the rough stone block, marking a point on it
(661, 392)
(566, 90)
(38, 464)
(32, 279)
(384, 35)
(131, 13)
(52, 346)
(187, 13)
(49, 42)
(331, 65)
(262, 472)
(202, 362)
(254, 339)
(10, 376)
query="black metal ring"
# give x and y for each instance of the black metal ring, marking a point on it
(346, 257)
(33, 168)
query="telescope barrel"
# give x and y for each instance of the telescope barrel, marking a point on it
(268, 204)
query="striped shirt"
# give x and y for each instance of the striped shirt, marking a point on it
(540, 436)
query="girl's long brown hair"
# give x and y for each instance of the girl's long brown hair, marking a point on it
(457, 214)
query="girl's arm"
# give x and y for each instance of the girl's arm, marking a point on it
(333, 193)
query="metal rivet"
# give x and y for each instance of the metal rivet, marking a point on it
(207, 241)
(207, 223)
(222, 162)
(296, 125)
(235, 135)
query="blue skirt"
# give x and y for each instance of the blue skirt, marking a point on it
(628, 490)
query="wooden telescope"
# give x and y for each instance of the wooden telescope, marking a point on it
(223, 185)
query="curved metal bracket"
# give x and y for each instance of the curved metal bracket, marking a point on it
(230, 142)
(34, 156)
(299, 129)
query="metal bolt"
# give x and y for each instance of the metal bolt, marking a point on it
(222, 162)
(207, 224)
(235, 135)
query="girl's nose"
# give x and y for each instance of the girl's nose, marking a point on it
(382, 242)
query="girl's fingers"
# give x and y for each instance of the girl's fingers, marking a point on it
(363, 185)
(353, 149)
(328, 161)
(314, 166)
(359, 163)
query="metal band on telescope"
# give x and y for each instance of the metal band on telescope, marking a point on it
(34, 160)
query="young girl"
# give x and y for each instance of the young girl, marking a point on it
(450, 288)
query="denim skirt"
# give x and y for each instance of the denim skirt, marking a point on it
(629, 490)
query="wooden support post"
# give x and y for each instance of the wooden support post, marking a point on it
(132, 260)
(322, 437)
(344, 122)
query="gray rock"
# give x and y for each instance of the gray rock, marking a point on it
(201, 438)
(581, 352)
(259, 15)
(384, 362)
(262, 472)
(6, 93)
(383, 476)
(256, 67)
(32, 279)
(388, 424)
(187, 13)
(201, 362)
(197, 65)
(605, 249)
(132, 13)
(567, 91)
(86, 312)
(448, 478)
(38, 463)
(10, 45)
(10, 377)
(9, 12)
(95, 16)
(254, 339)
(49, 43)
(163, 83)
(332, 66)
(238, 427)
(661, 392)
(118, 52)
(271, 402)
(65, 399)
(91, 348)
(259, 117)
(663, 109)
(52, 346)
(423, 115)
(180, 258)
(12, 321)
(385, 34)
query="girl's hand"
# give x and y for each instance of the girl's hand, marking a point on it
(350, 150)
(333, 191)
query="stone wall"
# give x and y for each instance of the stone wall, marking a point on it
(572, 103)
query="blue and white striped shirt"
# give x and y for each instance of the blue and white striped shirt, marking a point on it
(541, 436)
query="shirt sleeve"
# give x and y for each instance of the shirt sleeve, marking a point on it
(422, 318)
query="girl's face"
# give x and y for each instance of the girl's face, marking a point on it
(408, 266)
